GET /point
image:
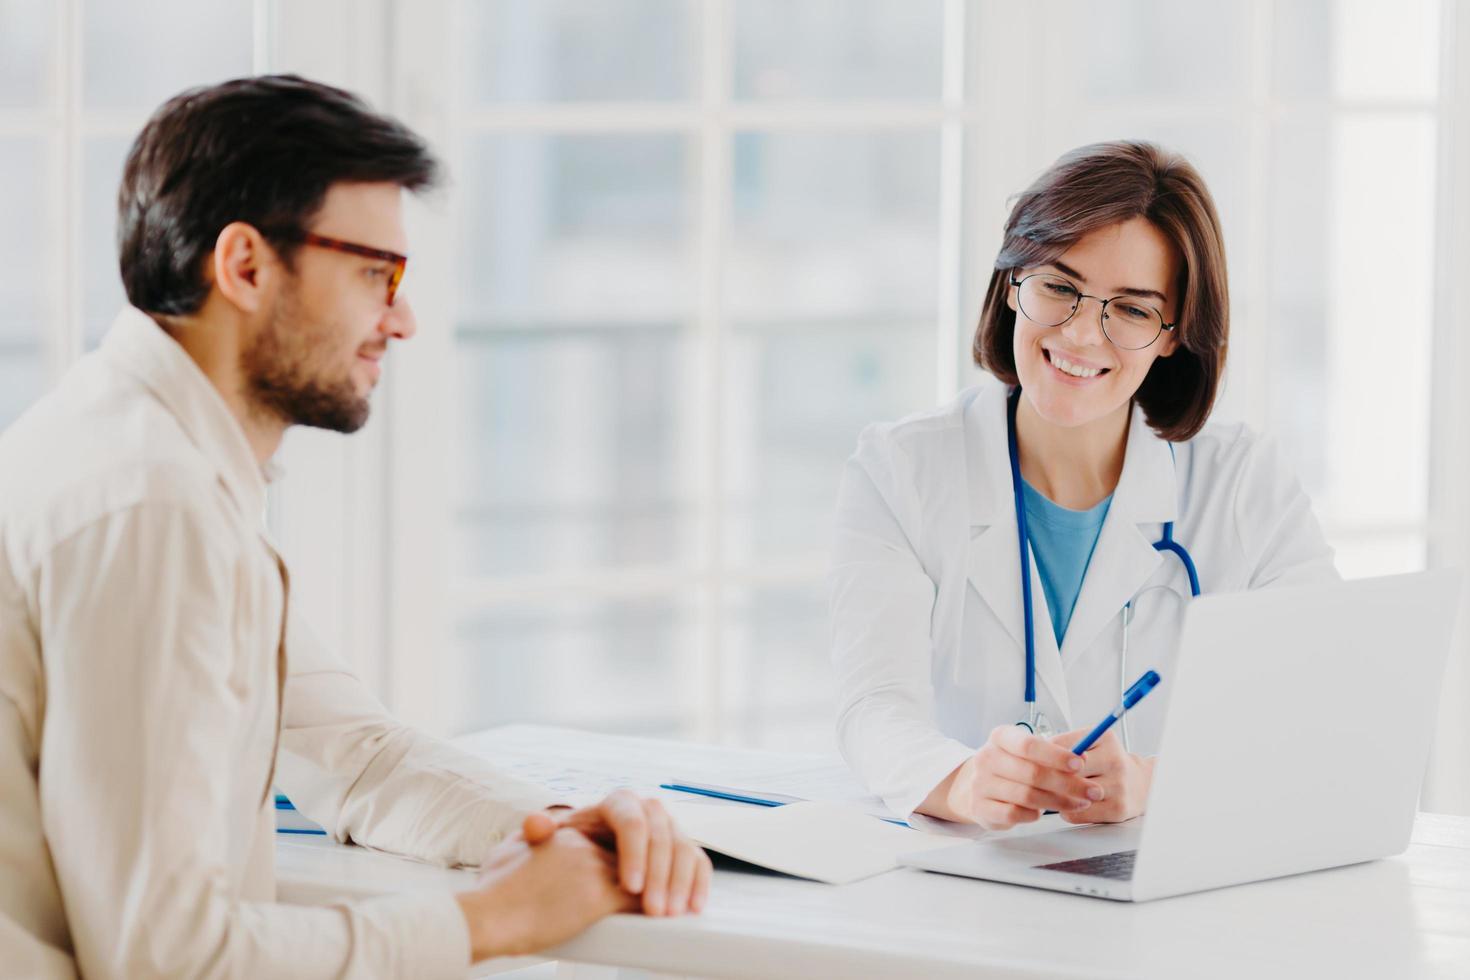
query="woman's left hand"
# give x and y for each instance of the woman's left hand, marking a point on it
(1125, 778)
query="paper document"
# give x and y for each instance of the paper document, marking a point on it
(830, 837)
(582, 768)
(829, 842)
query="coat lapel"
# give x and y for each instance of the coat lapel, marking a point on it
(1124, 558)
(994, 562)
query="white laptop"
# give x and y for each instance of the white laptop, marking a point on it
(1297, 733)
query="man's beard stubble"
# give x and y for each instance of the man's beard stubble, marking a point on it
(277, 367)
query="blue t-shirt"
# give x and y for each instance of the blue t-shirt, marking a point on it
(1062, 541)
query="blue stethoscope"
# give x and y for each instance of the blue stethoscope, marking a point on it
(1035, 721)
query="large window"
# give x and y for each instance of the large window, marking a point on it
(78, 78)
(690, 248)
(1315, 124)
(696, 246)
(681, 291)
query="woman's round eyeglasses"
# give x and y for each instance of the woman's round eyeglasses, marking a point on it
(1050, 301)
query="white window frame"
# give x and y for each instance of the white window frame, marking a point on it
(976, 64)
(362, 519)
(63, 128)
(1447, 786)
(425, 605)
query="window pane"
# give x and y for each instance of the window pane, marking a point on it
(1357, 49)
(779, 688)
(625, 666)
(24, 287)
(1299, 276)
(576, 227)
(27, 53)
(798, 395)
(138, 54)
(1351, 295)
(575, 366)
(838, 49)
(574, 449)
(27, 279)
(834, 224)
(1151, 49)
(571, 50)
(24, 240)
(1379, 308)
(22, 379)
(102, 164)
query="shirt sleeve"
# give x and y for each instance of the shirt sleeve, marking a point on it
(367, 778)
(140, 807)
(882, 601)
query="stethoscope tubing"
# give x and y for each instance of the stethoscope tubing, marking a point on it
(1165, 544)
(1025, 538)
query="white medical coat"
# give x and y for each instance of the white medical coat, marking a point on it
(925, 590)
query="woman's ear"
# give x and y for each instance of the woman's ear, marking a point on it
(1011, 291)
(1169, 342)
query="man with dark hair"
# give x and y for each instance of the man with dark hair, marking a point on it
(155, 682)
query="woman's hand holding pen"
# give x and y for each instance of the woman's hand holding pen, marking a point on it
(1011, 780)
(1123, 777)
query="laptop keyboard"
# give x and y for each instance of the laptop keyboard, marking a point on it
(1117, 865)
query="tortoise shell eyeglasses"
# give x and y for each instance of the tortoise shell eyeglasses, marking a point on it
(400, 262)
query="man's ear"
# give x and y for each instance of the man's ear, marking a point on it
(244, 266)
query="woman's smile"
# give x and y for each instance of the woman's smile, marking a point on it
(1071, 369)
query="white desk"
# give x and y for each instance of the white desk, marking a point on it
(1407, 916)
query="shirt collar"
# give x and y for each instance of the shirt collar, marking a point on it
(138, 346)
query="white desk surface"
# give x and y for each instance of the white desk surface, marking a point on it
(1407, 916)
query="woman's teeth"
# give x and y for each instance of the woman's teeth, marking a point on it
(1075, 370)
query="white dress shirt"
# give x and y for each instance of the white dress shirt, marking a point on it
(155, 685)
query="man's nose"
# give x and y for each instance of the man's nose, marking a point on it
(399, 321)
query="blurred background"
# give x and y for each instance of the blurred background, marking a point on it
(689, 248)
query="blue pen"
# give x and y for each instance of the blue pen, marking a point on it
(733, 795)
(1134, 695)
(746, 796)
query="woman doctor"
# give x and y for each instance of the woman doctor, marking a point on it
(1105, 325)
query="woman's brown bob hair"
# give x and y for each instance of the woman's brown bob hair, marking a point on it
(1104, 184)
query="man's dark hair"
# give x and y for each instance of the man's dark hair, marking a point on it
(262, 150)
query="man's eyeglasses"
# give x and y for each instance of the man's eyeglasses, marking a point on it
(1050, 301)
(400, 262)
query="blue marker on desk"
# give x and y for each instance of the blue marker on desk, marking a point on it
(726, 793)
(1133, 695)
(747, 796)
